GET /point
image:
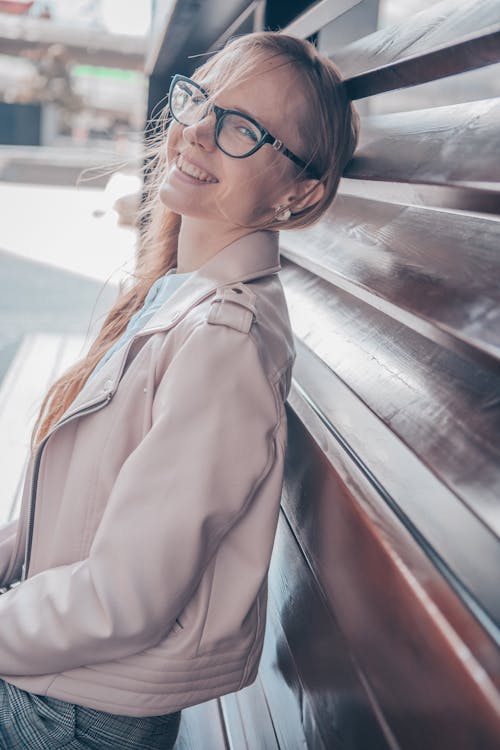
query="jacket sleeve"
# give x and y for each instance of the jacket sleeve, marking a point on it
(7, 538)
(211, 443)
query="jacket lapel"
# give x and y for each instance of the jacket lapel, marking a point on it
(249, 257)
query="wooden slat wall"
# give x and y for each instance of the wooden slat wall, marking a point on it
(442, 41)
(404, 628)
(463, 149)
(383, 615)
(440, 26)
(380, 253)
(443, 157)
(393, 477)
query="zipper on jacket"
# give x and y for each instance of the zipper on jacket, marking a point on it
(36, 462)
(35, 471)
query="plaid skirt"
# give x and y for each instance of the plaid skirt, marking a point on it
(39, 722)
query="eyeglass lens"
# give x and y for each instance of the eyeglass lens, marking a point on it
(235, 134)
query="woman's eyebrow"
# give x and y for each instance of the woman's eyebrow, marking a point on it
(207, 89)
(204, 86)
(242, 110)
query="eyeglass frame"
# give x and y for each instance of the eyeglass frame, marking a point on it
(221, 112)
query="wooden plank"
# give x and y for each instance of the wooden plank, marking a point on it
(441, 25)
(429, 664)
(451, 145)
(233, 722)
(257, 720)
(474, 198)
(436, 272)
(250, 19)
(314, 693)
(317, 16)
(467, 54)
(162, 14)
(443, 407)
(421, 502)
(247, 719)
(188, 28)
(201, 727)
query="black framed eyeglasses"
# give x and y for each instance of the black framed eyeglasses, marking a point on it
(236, 134)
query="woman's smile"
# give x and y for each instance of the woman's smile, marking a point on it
(190, 172)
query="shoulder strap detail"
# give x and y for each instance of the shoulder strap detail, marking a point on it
(234, 306)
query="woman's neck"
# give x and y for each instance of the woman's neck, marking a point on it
(200, 240)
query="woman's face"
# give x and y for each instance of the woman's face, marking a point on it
(239, 191)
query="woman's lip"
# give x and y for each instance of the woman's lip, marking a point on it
(195, 164)
(180, 175)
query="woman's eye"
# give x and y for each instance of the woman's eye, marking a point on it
(187, 95)
(250, 134)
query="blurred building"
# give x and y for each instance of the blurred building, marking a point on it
(67, 78)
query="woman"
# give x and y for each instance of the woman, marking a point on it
(152, 495)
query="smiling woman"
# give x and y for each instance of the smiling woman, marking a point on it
(257, 85)
(152, 495)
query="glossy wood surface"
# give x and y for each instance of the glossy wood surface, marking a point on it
(454, 145)
(438, 26)
(427, 662)
(396, 258)
(480, 199)
(248, 719)
(425, 506)
(444, 408)
(188, 27)
(312, 686)
(318, 15)
(202, 727)
(468, 54)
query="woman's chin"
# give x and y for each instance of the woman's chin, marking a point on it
(179, 198)
(173, 198)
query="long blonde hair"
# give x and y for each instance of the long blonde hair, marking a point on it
(329, 139)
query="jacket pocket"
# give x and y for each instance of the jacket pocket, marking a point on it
(207, 604)
(177, 625)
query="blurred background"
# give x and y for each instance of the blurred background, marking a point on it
(73, 96)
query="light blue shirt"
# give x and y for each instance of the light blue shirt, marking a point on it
(159, 292)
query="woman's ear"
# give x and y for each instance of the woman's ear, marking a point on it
(303, 194)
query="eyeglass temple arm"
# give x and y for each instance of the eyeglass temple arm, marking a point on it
(279, 146)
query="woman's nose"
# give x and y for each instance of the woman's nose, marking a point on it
(201, 132)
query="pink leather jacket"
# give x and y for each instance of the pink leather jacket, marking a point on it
(150, 509)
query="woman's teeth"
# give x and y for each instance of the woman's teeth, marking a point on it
(193, 171)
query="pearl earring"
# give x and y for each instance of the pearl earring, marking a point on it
(282, 213)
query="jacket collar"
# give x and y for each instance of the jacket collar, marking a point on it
(249, 257)
(253, 255)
